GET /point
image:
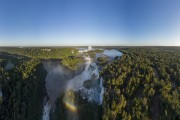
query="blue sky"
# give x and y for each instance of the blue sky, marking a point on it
(89, 22)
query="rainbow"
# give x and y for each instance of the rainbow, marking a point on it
(70, 106)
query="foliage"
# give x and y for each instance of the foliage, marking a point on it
(43, 53)
(23, 89)
(102, 60)
(72, 62)
(143, 84)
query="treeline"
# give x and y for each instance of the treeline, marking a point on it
(143, 84)
(23, 91)
(43, 53)
(71, 106)
(67, 55)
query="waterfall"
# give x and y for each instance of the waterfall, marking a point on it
(46, 111)
(102, 90)
(77, 82)
(88, 62)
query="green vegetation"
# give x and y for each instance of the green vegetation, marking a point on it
(143, 84)
(43, 53)
(102, 60)
(72, 62)
(23, 89)
(66, 54)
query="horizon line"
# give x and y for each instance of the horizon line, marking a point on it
(91, 45)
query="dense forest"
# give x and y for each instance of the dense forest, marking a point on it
(68, 56)
(23, 89)
(43, 53)
(143, 84)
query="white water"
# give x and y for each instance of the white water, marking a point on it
(77, 82)
(95, 71)
(46, 111)
(94, 93)
(102, 90)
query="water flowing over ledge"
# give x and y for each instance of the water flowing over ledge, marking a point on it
(60, 79)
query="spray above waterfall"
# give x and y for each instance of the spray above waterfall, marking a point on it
(87, 83)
